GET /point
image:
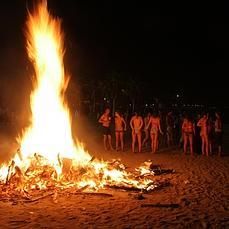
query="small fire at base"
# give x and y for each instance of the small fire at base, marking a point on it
(49, 158)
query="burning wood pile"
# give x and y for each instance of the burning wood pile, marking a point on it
(42, 179)
(62, 163)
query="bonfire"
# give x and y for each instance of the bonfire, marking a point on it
(49, 157)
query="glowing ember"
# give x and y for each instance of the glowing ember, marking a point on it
(49, 157)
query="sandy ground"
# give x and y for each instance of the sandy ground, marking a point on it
(200, 187)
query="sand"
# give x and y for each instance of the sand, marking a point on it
(200, 188)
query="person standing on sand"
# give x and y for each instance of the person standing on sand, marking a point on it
(146, 122)
(155, 127)
(170, 129)
(218, 132)
(202, 123)
(188, 130)
(136, 124)
(210, 127)
(105, 120)
(120, 127)
(197, 136)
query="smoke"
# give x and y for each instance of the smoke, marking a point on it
(15, 86)
(87, 132)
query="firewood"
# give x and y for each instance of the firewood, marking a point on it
(37, 198)
(10, 168)
(94, 194)
(159, 205)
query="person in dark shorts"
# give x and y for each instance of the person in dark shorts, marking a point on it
(105, 120)
(218, 133)
(106, 131)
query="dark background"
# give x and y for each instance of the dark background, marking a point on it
(169, 48)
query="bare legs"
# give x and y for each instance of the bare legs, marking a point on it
(133, 141)
(188, 138)
(219, 150)
(122, 141)
(154, 142)
(119, 137)
(107, 142)
(139, 136)
(185, 143)
(210, 146)
(205, 145)
(139, 139)
(146, 138)
(169, 138)
(116, 140)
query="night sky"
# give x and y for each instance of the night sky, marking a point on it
(170, 48)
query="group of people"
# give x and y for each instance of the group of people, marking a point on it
(151, 125)
(120, 127)
(209, 131)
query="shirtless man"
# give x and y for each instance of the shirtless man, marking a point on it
(146, 122)
(202, 123)
(105, 120)
(155, 127)
(136, 124)
(120, 127)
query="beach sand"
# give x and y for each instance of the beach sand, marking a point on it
(199, 188)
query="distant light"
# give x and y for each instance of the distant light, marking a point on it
(104, 99)
(146, 105)
(130, 104)
(178, 95)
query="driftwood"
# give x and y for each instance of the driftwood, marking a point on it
(103, 194)
(161, 205)
(37, 198)
(125, 188)
(163, 171)
(10, 168)
(28, 199)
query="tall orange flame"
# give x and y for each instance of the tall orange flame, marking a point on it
(50, 132)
